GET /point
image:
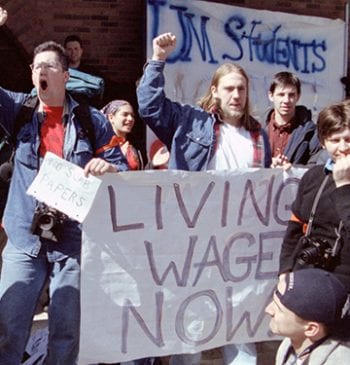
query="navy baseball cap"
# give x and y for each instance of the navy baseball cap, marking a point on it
(315, 295)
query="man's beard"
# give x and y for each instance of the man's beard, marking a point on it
(229, 115)
(236, 114)
(232, 116)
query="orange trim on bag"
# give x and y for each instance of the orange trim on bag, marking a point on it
(294, 218)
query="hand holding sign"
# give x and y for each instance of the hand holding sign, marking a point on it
(63, 186)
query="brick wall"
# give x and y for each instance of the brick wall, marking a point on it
(112, 30)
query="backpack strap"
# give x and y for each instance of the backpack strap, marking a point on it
(82, 112)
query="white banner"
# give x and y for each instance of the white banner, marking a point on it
(263, 42)
(178, 261)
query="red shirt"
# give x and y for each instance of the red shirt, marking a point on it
(52, 131)
(279, 135)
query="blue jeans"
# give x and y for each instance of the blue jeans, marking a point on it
(240, 354)
(22, 280)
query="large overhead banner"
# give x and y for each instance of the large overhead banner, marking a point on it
(263, 42)
(178, 261)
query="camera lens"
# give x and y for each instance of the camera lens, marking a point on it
(46, 221)
(309, 255)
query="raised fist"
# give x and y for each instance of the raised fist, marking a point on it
(3, 16)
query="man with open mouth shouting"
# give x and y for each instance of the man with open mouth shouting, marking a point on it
(30, 257)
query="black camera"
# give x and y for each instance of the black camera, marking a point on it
(316, 253)
(48, 223)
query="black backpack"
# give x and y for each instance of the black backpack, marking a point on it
(8, 142)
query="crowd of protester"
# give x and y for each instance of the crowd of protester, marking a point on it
(310, 304)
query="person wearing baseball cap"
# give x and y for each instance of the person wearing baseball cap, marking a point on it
(308, 309)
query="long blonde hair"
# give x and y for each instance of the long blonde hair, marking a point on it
(209, 103)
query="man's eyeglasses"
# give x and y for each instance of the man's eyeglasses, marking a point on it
(35, 67)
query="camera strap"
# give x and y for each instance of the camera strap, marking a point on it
(336, 246)
(314, 206)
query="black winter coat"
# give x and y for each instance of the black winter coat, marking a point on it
(333, 206)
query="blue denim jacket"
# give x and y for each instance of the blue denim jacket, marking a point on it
(20, 207)
(187, 131)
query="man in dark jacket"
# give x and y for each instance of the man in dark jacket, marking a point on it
(321, 209)
(290, 128)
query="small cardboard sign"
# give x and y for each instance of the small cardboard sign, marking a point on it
(62, 185)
